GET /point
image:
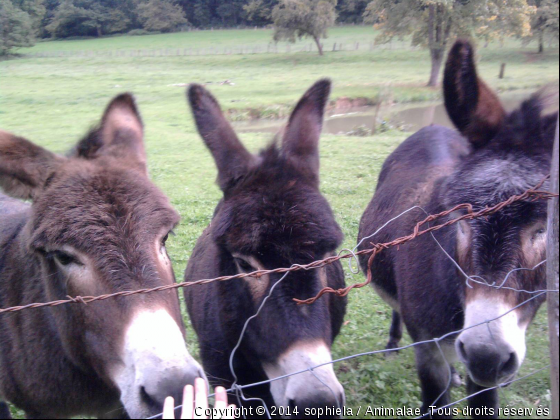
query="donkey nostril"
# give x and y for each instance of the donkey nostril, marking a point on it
(147, 399)
(462, 350)
(292, 404)
(510, 367)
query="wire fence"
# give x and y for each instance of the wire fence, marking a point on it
(248, 49)
(533, 194)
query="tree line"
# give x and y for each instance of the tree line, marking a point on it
(80, 18)
(430, 23)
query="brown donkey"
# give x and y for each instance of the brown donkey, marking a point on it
(96, 225)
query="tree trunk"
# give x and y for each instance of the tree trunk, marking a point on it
(439, 30)
(541, 43)
(437, 61)
(319, 46)
(99, 32)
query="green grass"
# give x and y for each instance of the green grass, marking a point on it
(52, 101)
(200, 40)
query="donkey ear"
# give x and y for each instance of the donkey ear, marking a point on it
(472, 106)
(232, 158)
(120, 134)
(24, 167)
(301, 137)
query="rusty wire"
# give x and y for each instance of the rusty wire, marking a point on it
(533, 194)
(236, 388)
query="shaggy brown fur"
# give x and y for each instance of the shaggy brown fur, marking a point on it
(98, 201)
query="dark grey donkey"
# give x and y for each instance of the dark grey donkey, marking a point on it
(497, 155)
(272, 216)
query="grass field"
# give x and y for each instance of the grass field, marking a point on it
(52, 101)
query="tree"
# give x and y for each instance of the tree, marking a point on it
(260, 11)
(86, 18)
(16, 28)
(436, 22)
(498, 22)
(544, 25)
(304, 18)
(351, 11)
(161, 15)
(36, 11)
(230, 12)
(202, 14)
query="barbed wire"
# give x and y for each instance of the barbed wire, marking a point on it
(237, 389)
(533, 194)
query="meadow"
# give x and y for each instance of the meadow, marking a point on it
(53, 101)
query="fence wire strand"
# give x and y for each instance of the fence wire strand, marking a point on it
(533, 194)
(238, 389)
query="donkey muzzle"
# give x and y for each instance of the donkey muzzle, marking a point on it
(492, 346)
(314, 390)
(156, 364)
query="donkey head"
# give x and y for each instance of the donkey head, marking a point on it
(511, 153)
(274, 216)
(98, 225)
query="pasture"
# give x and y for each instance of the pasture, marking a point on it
(52, 101)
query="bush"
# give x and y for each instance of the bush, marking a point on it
(142, 32)
(16, 29)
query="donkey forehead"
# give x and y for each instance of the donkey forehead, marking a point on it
(287, 221)
(93, 198)
(487, 179)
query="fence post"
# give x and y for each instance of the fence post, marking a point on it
(552, 268)
(503, 70)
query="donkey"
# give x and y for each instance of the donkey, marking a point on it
(97, 225)
(272, 216)
(498, 155)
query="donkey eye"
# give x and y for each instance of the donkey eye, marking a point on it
(539, 233)
(166, 237)
(64, 258)
(244, 265)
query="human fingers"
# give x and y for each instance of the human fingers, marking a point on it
(221, 398)
(200, 398)
(188, 402)
(169, 409)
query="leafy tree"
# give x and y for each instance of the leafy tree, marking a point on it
(202, 14)
(436, 22)
(16, 28)
(161, 15)
(36, 11)
(544, 25)
(304, 18)
(86, 18)
(229, 12)
(260, 11)
(500, 22)
(351, 11)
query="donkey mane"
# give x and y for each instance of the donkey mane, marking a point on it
(529, 129)
(272, 162)
(89, 145)
(514, 161)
